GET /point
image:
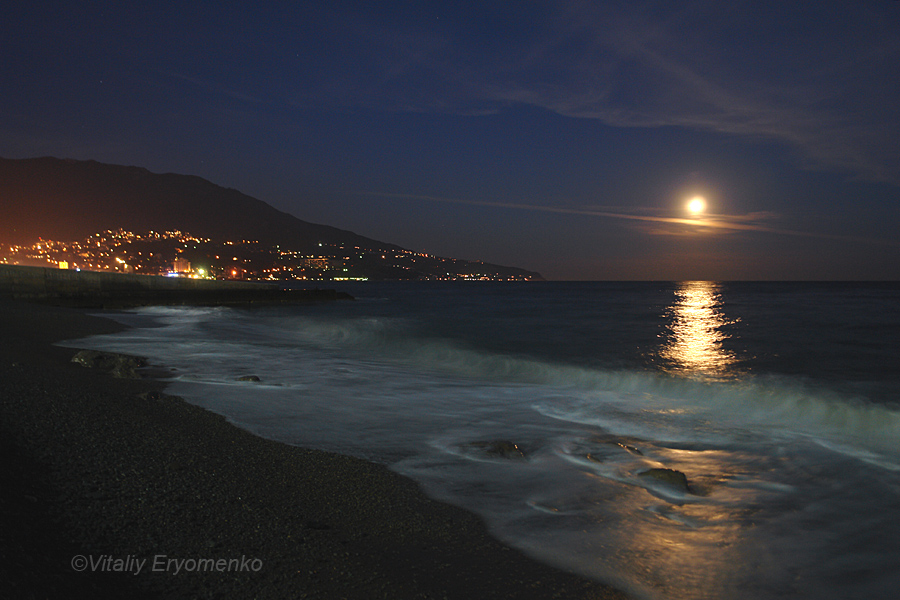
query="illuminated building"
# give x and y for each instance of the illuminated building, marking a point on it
(181, 266)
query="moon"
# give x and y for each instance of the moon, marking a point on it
(696, 205)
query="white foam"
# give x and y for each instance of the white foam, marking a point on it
(763, 457)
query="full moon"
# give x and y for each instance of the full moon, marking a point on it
(696, 205)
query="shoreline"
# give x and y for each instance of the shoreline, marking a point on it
(106, 467)
(109, 290)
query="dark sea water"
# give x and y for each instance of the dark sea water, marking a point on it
(778, 401)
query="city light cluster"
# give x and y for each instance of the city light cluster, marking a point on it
(180, 254)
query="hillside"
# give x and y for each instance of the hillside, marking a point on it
(68, 200)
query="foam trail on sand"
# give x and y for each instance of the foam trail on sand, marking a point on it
(790, 471)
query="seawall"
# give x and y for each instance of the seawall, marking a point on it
(118, 290)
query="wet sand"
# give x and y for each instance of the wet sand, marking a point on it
(114, 470)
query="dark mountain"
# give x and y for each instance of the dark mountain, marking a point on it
(70, 200)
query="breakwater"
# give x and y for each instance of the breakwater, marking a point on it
(94, 289)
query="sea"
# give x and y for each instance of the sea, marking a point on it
(564, 414)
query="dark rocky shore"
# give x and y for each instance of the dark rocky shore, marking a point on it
(102, 467)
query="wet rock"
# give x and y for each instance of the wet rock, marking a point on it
(617, 441)
(248, 378)
(499, 448)
(123, 366)
(670, 477)
(630, 449)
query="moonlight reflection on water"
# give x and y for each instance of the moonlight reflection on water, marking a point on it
(695, 334)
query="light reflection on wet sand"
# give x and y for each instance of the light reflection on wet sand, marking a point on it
(680, 545)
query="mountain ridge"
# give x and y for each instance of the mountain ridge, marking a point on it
(132, 197)
(69, 199)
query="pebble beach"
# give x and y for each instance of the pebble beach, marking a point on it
(115, 489)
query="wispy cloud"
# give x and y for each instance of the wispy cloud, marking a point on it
(213, 87)
(818, 78)
(759, 222)
(709, 68)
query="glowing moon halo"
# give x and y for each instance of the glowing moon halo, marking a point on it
(696, 205)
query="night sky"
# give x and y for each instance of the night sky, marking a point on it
(563, 137)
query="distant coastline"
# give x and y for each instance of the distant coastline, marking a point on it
(104, 217)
